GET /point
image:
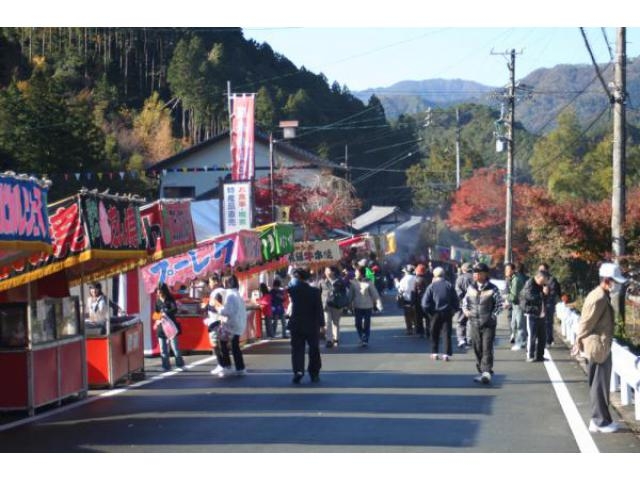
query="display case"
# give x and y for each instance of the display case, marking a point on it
(114, 351)
(42, 353)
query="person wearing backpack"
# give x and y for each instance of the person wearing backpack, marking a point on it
(334, 298)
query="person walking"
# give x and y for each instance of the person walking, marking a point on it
(306, 320)
(518, 326)
(278, 300)
(423, 280)
(533, 308)
(593, 341)
(166, 305)
(266, 310)
(552, 294)
(406, 296)
(364, 298)
(439, 302)
(233, 321)
(481, 305)
(211, 306)
(462, 284)
(335, 297)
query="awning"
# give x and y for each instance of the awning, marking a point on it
(94, 236)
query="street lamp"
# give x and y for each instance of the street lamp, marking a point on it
(289, 131)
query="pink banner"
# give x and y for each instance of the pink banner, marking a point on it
(242, 138)
(240, 248)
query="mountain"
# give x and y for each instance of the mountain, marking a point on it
(410, 97)
(542, 95)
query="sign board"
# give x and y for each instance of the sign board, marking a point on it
(237, 206)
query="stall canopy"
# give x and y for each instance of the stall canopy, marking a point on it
(24, 223)
(94, 236)
(276, 239)
(168, 227)
(239, 249)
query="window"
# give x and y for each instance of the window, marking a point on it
(178, 192)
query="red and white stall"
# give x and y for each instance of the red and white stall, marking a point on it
(93, 236)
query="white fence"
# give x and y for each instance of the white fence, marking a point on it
(625, 371)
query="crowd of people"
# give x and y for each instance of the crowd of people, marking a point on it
(434, 300)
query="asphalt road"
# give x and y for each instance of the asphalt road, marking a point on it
(389, 397)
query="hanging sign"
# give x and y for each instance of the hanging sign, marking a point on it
(237, 207)
(242, 137)
(326, 251)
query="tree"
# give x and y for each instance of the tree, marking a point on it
(318, 208)
(152, 126)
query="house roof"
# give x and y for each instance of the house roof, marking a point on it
(373, 215)
(287, 148)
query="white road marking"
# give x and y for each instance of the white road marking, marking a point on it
(578, 428)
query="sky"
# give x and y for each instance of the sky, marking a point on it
(373, 43)
(362, 58)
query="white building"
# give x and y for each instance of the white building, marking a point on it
(197, 171)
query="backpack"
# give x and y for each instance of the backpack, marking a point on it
(338, 296)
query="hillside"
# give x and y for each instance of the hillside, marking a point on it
(551, 91)
(410, 97)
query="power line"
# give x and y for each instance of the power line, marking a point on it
(595, 65)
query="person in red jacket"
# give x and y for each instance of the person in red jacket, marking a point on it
(265, 309)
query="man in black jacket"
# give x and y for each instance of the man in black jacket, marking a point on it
(533, 307)
(306, 320)
(481, 305)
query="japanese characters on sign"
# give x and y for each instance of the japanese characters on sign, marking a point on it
(277, 240)
(237, 206)
(315, 252)
(23, 211)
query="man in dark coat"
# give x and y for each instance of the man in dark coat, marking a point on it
(306, 320)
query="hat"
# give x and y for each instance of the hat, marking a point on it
(301, 273)
(611, 270)
(465, 267)
(409, 269)
(438, 272)
(481, 267)
(421, 269)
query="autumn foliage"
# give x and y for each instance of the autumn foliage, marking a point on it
(543, 228)
(326, 204)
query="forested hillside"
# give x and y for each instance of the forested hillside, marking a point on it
(94, 106)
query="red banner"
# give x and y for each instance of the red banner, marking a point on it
(168, 227)
(242, 138)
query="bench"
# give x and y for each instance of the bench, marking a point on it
(625, 375)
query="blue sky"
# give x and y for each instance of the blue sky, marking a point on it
(375, 43)
(378, 57)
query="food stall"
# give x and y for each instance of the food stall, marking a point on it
(277, 241)
(94, 236)
(240, 251)
(36, 337)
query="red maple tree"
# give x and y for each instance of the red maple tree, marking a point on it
(327, 204)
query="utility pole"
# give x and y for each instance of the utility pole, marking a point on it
(618, 199)
(511, 101)
(271, 183)
(618, 98)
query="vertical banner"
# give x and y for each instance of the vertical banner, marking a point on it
(242, 137)
(237, 207)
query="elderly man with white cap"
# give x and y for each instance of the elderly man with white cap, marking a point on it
(593, 341)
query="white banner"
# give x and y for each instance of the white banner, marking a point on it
(236, 207)
(315, 252)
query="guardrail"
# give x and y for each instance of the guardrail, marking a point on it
(625, 370)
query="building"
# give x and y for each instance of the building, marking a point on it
(197, 171)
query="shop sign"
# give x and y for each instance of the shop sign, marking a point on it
(277, 241)
(314, 252)
(237, 206)
(112, 224)
(23, 211)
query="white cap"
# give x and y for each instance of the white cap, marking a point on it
(611, 270)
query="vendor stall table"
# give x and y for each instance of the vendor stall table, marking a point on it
(115, 354)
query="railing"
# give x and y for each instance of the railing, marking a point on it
(625, 371)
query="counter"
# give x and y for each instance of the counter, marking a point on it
(114, 351)
(42, 354)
